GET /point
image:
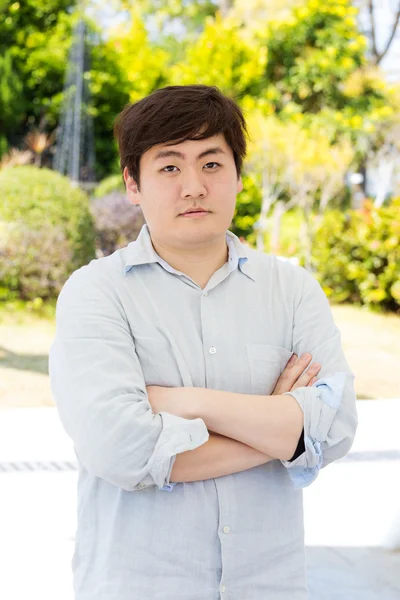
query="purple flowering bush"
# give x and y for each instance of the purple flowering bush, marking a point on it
(32, 262)
(117, 222)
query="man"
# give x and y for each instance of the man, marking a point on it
(181, 371)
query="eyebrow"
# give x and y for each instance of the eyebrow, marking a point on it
(167, 153)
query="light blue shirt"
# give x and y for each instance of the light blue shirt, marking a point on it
(130, 320)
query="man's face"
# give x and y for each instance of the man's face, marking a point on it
(195, 173)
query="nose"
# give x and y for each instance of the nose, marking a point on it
(193, 185)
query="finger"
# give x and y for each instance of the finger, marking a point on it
(306, 377)
(293, 370)
(300, 364)
(313, 380)
(279, 386)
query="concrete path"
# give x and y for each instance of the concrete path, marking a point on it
(352, 511)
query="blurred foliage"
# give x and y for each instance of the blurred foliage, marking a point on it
(11, 104)
(297, 161)
(223, 55)
(252, 13)
(35, 39)
(318, 75)
(112, 183)
(248, 205)
(168, 16)
(315, 106)
(34, 36)
(311, 54)
(299, 168)
(290, 244)
(357, 256)
(32, 262)
(36, 200)
(145, 72)
(117, 221)
(16, 158)
(302, 61)
(23, 312)
(109, 92)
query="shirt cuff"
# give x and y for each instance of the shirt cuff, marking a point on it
(178, 435)
(319, 403)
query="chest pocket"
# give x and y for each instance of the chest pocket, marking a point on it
(266, 363)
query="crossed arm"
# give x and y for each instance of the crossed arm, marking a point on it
(217, 457)
(246, 430)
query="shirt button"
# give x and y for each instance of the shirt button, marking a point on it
(226, 529)
(223, 588)
(205, 294)
(212, 350)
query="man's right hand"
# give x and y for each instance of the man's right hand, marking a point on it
(292, 376)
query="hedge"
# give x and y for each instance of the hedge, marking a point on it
(47, 232)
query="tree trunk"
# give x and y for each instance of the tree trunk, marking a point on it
(306, 235)
(279, 210)
(385, 174)
(262, 230)
(267, 201)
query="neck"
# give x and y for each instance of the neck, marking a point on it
(197, 263)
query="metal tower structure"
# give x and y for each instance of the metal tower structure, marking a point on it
(74, 152)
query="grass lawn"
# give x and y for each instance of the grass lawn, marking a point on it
(371, 343)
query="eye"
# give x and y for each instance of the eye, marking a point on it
(169, 168)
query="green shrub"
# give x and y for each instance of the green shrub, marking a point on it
(357, 256)
(32, 263)
(248, 207)
(33, 201)
(112, 183)
(289, 242)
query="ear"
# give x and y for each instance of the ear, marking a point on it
(131, 188)
(239, 185)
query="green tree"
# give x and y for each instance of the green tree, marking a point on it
(10, 100)
(148, 70)
(224, 56)
(35, 38)
(299, 168)
(312, 54)
(35, 35)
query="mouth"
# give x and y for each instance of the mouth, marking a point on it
(195, 213)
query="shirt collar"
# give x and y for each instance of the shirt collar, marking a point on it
(141, 252)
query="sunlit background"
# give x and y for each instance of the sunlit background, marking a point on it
(319, 83)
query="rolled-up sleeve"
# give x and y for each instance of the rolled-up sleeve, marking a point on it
(329, 406)
(100, 393)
